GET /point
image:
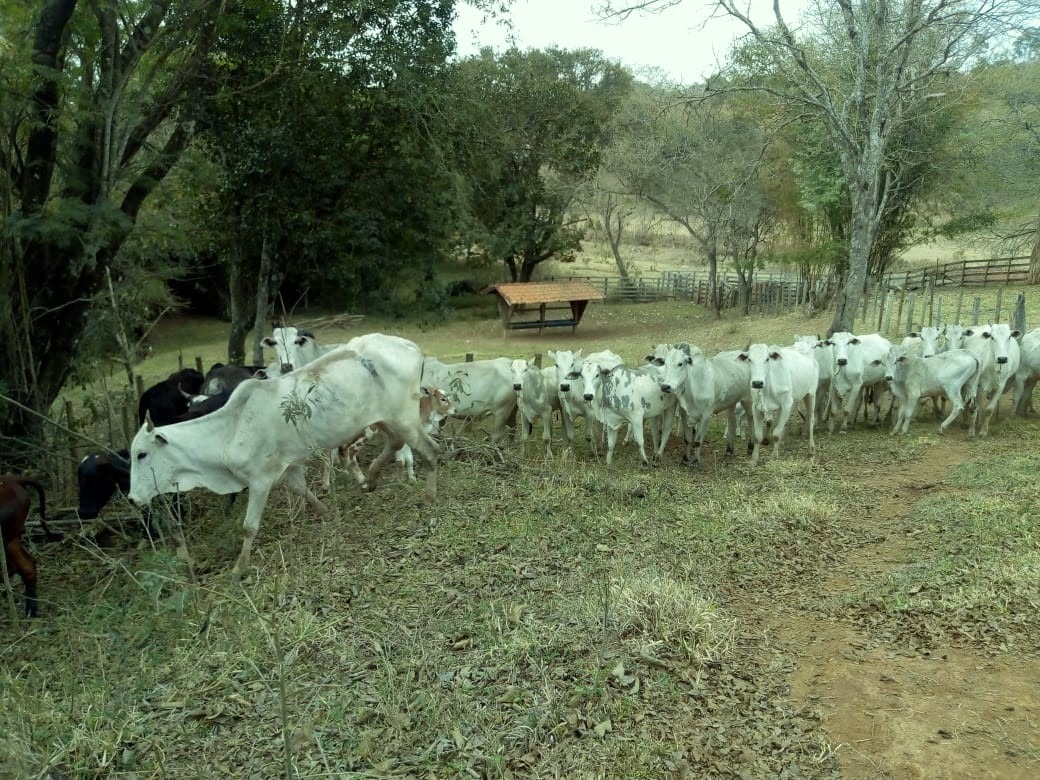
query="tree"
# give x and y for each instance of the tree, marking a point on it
(331, 177)
(695, 163)
(868, 68)
(532, 127)
(94, 117)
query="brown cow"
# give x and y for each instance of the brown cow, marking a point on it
(14, 510)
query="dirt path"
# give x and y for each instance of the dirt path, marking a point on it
(893, 712)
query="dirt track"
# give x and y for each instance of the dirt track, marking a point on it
(897, 711)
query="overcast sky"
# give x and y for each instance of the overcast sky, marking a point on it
(682, 40)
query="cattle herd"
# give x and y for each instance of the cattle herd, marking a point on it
(253, 427)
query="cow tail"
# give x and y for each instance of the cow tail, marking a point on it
(28, 481)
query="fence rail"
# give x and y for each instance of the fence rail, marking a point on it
(779, 291)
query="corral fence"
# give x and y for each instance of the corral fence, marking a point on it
(779, 291)
(84, 422)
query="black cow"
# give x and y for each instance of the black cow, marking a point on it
(99, 475)
(165, 401)
(222, 377)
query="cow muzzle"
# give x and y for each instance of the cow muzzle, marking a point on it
(757, 384)
(666, 388)
(843, 361)
(518, 387)
(1002, 360)
(286, 368)
(565, 388)
(587, 396)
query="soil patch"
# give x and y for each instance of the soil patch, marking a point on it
(899, 711)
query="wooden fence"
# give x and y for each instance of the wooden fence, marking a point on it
(776, 292)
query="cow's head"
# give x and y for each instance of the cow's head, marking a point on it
(568, 368)
(98, 476)
(758, 356)
(896, 362)
(677, 363)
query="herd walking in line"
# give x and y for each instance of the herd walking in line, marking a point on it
(254, 427)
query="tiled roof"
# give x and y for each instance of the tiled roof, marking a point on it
(545, 292)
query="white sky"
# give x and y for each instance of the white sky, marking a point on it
(682, 40)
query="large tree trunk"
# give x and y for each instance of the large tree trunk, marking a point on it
(1034, 256)
(862, 232)
(263, 299)
(714, 293)
(243, 311)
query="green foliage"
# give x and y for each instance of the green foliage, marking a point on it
(531, 128)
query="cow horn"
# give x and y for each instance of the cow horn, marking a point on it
(187, 396)
(150, 426)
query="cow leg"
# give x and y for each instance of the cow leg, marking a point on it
(810, 417)
(780, 425)
(953, 393)
(547, 433)
(568, 425)
(757, 434)
(612, 434)
(258, 494)
(20, 562)
(296, 480)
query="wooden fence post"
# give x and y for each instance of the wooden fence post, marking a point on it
(198, 364)
(910, 313)
(938, 311)
(469, 357)
(960, 303)
(975, 306)
(996, 312)
(899, 308)
(139, 384)
(1018, 319)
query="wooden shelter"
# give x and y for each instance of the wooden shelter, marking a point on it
(518, 301)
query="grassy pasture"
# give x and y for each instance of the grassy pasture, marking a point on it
(549, 617)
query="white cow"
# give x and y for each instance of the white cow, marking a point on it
(703, 387)
(780, 378)
(1028, 372)
(858, 366)
(533, 401)
(479, 388)
(925, 342)
(824, 356)
(621, 395)
(294, 348)
(953, 335)
(269, 428)
(953, 375)
(997, 349)
(572, 388)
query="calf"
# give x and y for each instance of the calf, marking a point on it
(780, 378)
(434, 405)
(165, 400)
(997, 350)
(14, 511)
(1028, 372)
(572, 388)
(479, 388)
(623, 395)
(99, 475)
(534, 401)
(953, 374)
(924, 342)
